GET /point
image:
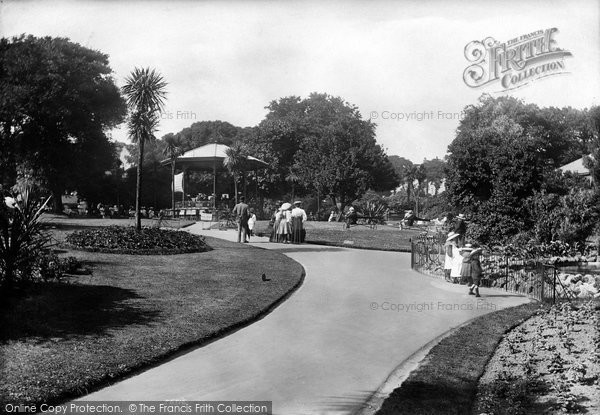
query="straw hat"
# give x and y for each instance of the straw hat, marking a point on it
(461, 216)
(286, 206)
(451, 236)
(467, 247)
(298, 202)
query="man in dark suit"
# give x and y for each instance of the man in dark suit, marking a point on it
(242, 215)
(460, 227)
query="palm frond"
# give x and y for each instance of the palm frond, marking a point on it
(142, 126)
(144, 90)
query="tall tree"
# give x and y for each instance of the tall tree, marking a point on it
(172, 150)
(333, 150)
(58, 99)
(145, 91)
(435, 170)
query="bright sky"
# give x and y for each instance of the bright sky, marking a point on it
(226, 60)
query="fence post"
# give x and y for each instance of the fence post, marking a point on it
(554, 285)
(506, 275)
(543, 275)
(412, 254)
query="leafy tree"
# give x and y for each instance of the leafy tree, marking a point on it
(328, 146)
(592, 161)
(145, 93)
(503, 153)
(58, 99)
(435, 172)
(205, 132)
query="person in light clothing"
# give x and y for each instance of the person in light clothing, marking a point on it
(457, 261)
(298, 217)
(251, 222)
(451, 249)
(283, 230)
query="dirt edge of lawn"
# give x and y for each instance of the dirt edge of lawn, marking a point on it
(443, 379)
(189, 346)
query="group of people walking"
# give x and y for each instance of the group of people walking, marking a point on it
(462, 261)
(288, 223)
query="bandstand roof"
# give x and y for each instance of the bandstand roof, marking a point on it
(209, 157)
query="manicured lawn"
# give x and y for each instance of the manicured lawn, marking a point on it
(384, 237)
(60, 341)
(446, 380)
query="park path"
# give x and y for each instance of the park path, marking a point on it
(357, 316)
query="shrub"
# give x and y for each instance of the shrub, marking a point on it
(21, 237)
(570, 218)
(50, 267)
(126, 240)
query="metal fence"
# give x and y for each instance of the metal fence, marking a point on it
(519, 275)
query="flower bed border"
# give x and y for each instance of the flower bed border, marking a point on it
(125, 251)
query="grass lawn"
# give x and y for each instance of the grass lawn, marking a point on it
(385, 238)
(59, 341)
(446, 381)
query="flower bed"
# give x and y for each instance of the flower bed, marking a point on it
(125, 240)
(581, 286)
(547, 365)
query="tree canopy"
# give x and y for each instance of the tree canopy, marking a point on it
(326, 144)
(57, 100)
(502, 154)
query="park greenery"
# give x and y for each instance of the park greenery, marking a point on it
(500, 170)
(58, 102)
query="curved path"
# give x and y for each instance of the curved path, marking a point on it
(330, 346)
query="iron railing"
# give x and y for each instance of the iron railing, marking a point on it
(530, 277)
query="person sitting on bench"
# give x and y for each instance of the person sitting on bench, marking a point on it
(410, 218)
(351, 217)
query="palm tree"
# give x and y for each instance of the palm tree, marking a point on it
(145, 93)
(172, 150)
(235, 162)
(293, 178)
(410, 175)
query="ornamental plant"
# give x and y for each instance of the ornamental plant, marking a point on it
(22, 239)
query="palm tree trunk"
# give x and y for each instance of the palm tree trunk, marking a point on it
(244, 183)
(173, 187)
(138, 187)
(235, 188)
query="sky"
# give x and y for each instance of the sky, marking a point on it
(400, 62)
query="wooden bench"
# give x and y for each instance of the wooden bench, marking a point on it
(369, 221)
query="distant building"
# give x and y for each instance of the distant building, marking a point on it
(577, 167)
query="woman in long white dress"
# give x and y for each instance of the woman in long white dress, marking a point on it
(450, 249)
(283, 230)
(457, 261)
